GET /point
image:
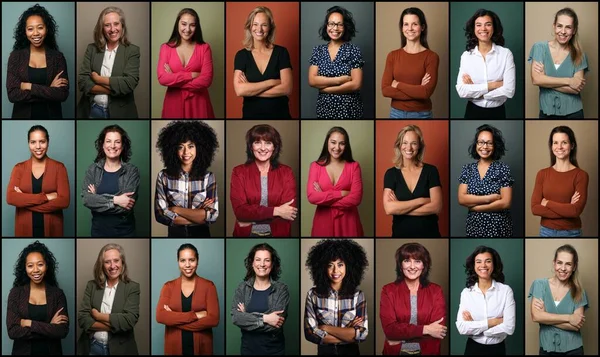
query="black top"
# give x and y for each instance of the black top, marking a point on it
(39, 313)
(258, 342)
(39, 110)
(264, 108)
(187, 337)
(111, 225)
(413, 226)
(37, 217)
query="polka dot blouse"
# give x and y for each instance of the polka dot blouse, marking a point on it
(338, 106)
(487, 224)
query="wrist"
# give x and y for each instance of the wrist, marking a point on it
(425, 330)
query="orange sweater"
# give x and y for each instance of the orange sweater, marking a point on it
(204, 299)
(55, 180)
(558, 188)
(409, 69)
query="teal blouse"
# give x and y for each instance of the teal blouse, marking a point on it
(554, 339)
(553, 102)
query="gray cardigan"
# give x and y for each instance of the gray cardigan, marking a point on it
(129, 181)
(279, 299)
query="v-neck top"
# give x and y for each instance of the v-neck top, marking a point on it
(552, 338)
(37, 218)
(553, 102)
(413, 226)
(258, 107)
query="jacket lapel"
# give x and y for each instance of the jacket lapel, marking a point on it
(119, 301)
(119, 64)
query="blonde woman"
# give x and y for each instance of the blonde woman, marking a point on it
(262, 69)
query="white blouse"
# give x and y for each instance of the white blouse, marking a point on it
(498, 65)
(108, 62)
(108, 299)
(498, 301)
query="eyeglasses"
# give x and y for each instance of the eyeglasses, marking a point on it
(485, 143)
(335, 24)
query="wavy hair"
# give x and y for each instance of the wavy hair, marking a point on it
(574, 284)
(100, 275)
(499, 147)
(573, 153)
(275, 262)
(472, 277)
(125, 143)
(20, 37)
(21, 277)
(267, 133)
(349, 25)
(175, 39)
(413, 251)
(324, 158)
(398, 158)
(99, 39)
(574, 45)
(248, 39)
(330, 250)
(414, 11)
(497, 36)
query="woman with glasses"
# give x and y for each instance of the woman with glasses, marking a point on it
(486, 186)
(336, 68)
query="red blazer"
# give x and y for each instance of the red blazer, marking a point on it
(204, 299)
(55, 180)
(394, 312)
(245, 198)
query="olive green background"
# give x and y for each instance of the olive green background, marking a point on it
(288, 250)
(361, 135)
(139, 134)
(511, 16)
(511, 254)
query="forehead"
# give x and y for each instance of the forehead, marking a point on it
(261, 17)
(564, 257)
(262, 254)
(336, 136)
(112, 135)
(34, 257)
(410, 18)
(187, 18)
(187, 253)
(483, 19)
(336, 16)
(112, 17)
(485, 135)
(112, 254)
(410, 136)
(564, 20)
(483, 256)
(37, 135)
(34, 20)
(560, 137)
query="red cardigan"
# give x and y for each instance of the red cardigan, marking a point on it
(55, 180)
(204, 299)
(394, 312)
(245, 198)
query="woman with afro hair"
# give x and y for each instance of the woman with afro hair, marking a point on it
(335, 315)
(36, 314)
(36, 79)
(186, 192)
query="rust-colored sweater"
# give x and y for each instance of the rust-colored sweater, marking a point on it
(55, 180)
(558, 188)
(204, 299)
(409, 69)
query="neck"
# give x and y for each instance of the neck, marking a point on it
(336, 286)
(557, 281)
(484, 284)
(562, 165)
(336, 43)
(557, 44)
(112, 282)
(186, 279)
(187, 42)
(263, 166)
(485, 47)
(112, 45)
(262, 282)
(259, 45)
(413, 46)
(112, 163)
(412, 284)
(35, 49)
(410, 164)
(37, 286)
(333, 160)
(35, 160)
(487, 161)
(186, 168)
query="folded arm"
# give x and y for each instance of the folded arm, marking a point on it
(353, 85)
(243, 88)
(497, 205)
(321, 82)
(507, 89)
(284, 88)
(434, 206)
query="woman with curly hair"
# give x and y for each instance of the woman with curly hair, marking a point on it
(37, 80)
(487, 69)
(111, 184)
(186, 192)
(335, 315)
(487, 306)
(263, 191)
(36, 315)
(335, 186)
(260, 304)
(486, 186)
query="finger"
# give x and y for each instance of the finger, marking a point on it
(439, 321)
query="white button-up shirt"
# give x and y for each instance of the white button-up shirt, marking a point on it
(107, 66)
(498, 65)
(107, 303)
(498, 301)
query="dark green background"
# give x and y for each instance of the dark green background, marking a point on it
(289, 251)
(511, 253)
(139, 133)
(511, 17)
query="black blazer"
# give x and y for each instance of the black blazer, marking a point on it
(18, 67)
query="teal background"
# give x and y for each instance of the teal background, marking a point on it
(139, 133)
(61, 148)
(288, 251)
(511, 253)
(64, 15)
(64, 252)
(511, 17)
(164, 268)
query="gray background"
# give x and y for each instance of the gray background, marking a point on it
(462, 133)
(64, 252)
(313, 16)
(64, 15)
(61, 148)
(165, 268)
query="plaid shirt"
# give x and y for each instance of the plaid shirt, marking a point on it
(334, 310)
(186, 193)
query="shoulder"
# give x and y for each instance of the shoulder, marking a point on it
(391, 171)
(16, 291)
(242, 53)
(166, 47)
(353, 165)
(91, 47)
(279, 286)
(504, 51)
(17, 54)
(92, 168)
(204, 282)
(429, 168)
(501, 165)
(131, 48)
(431, 55)
(321, 47)
(390, 288)
(352, 46)
(240, 169)
(91, 285)
(434, 288)
(469, 166)
(581, 173)
(129, 167)
(540, 45)
(538, 282)
(466, 54)
(504, 287)
(279, 49)
(54, 290)
(131, 285)
(56, 163)
(21, 165)
(284, 169)
(54, 53)
(241, 286)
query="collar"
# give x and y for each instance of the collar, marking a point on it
(250, 283)
(107, 50)
(492, 287)
(114, 287)
(476, 50)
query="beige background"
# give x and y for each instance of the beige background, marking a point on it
(212, 17)
(386, 273)
(537, 157)
(236, 155)
(137, 17)
(388, 39)
(539, 254)
(137, 254)
(361, 139)
(367, 347)
(539, 17)
(217, 229)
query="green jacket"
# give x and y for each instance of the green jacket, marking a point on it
(123, 80)
(123, 317)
